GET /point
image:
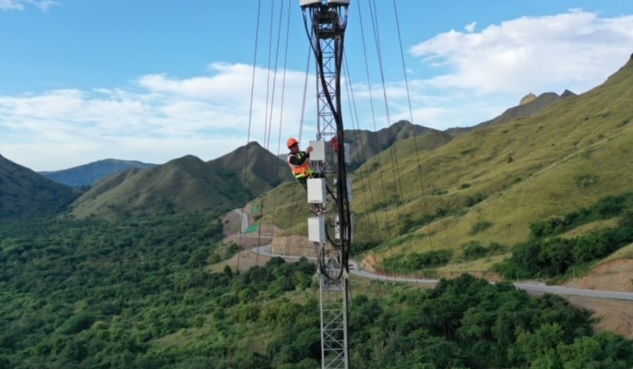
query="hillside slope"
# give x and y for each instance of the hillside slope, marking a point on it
(529, 105)
(564, 157)
(26, 193)
(367, 144)
(187, 184)
(529, 108)
(489, 184)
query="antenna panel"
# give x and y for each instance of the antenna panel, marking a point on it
(317, 191)
(318, 150)
(316, 229)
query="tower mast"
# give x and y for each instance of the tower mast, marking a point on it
(325, 22)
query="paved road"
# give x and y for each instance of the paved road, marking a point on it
(531, 287)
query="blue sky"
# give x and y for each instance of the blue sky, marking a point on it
(84, 80)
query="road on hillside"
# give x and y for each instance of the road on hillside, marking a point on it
(530, 287)
(244, 216)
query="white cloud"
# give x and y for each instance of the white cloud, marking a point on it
(7, 5)
(574, 50)
(162, 117)
(158, 119)
(473, 76)
(11, 5)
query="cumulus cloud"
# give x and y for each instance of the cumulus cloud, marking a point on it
(207, 116)
(465, 78)
(574, 50)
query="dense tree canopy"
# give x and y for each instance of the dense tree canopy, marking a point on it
(136, 294)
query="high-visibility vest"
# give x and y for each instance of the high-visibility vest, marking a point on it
(300, 171)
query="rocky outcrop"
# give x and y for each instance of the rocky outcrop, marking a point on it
(527, 99)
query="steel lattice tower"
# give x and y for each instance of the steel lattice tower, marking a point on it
(325, 24)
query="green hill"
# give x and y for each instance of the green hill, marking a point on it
(489, 184)
(137, 292)
(529, 105)
(367, 144)
(184, 185)
(23, 192)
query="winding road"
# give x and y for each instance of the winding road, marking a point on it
(530, 287)
(527, 286)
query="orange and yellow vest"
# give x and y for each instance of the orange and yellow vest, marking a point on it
(300, 171)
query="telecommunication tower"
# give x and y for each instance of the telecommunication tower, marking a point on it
(331, 231)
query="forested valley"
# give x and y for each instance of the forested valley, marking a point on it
(137, 293)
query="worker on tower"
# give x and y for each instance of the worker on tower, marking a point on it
(299, 162)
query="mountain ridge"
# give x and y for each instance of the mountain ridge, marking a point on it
(526, 147)
(23, 192)
(575, 144)
(89, 174)
(489, 184)
(365, 145)
(527, 107)
(185, 184)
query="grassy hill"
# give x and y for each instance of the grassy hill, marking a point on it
(489, 184)
(26, 193)
(528, 108)
(136, 292)
(367, 144)
(529, 105)
(183, 185)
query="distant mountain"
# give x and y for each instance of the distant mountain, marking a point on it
(187, 184)
(529, 105)
(23, 192)
(367, 144)
(88, 174)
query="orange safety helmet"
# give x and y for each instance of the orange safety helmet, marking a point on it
(291, 142)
